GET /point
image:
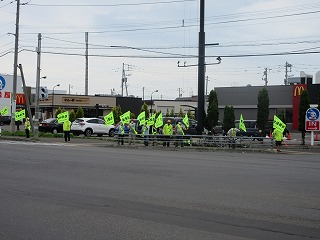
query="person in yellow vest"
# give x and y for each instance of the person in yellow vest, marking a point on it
(278, 137)
(167, 132)
(232, 134)
(27, 127)
(66, 130)
(179, 132)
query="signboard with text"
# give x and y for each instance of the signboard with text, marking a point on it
(312, 119)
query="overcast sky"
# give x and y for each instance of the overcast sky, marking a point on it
(151, 36)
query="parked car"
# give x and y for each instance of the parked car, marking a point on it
(5, 120)
(251, 127)
(51, 125)
(218, 129)
(192, 130)
(89, 126)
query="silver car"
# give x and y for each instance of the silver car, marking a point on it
(89, 126)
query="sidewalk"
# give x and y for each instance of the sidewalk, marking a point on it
(288, 146)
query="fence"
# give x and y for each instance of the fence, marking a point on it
(195, 141)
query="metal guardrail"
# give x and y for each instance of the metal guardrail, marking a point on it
(213, 141)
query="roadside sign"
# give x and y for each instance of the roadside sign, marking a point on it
(312, 122)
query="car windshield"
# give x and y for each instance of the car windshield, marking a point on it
(49, 120)
(78, 120)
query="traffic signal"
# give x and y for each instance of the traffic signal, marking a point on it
(43, 95)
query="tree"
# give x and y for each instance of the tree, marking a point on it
(190, 115)
(228, 118)
(263, 108)
(79, 113)
(167, 114)
(72, 115)
(116, 113)
(181, 114)
(146, 109)
(58, 111)
(303, 107)
(172, 112)
(212, 117)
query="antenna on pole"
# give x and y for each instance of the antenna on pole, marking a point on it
(124, 80)
(288, 65)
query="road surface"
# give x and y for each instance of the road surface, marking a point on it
(74, 191)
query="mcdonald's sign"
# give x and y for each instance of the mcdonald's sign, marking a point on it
(298, 90)
(21, 100)
(296, 93)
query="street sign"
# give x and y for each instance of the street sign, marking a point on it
(312, 119)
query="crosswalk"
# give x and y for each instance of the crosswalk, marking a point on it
(38, 143)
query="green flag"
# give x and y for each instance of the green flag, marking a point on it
(142, 118)
(62, 117)
(20, 115)
(242, 126)
(159, 121)
(185, 120)
(151, 120)
(4, 111)
(278, 124)
(109, 119)
(125, 118)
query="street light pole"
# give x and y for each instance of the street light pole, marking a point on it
(151, 100)
(53, 98)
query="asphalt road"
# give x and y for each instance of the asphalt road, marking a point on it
(74, 191)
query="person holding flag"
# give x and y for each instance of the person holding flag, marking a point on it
(66, 130)
(167, 132)
(232, 134)
(179, 132)
(27, 127)
(132, 132)
(120, 132)
(279, 127)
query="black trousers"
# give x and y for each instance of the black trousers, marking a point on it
(28, 133)
(66, 136)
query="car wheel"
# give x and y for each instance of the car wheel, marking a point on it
(54, 131)
(111, 133)
(88, 132)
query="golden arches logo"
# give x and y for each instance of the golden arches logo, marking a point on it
(298, 89)
(20, 98)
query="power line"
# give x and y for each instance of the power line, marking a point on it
(110, 5)
(181, 56)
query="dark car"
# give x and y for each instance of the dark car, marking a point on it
(5, 120)
(218, 129)
(51, 125)
(251, 127)
(192, 130)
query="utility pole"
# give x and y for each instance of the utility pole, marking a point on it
(36, 119)
(180, 92)
(288, 65)
(124, 78)
(201, 71)
(87, 66)
(27, 98)
(265, 76)
(15, 71)
(142, 93)
(207, 80)
(70, 86)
